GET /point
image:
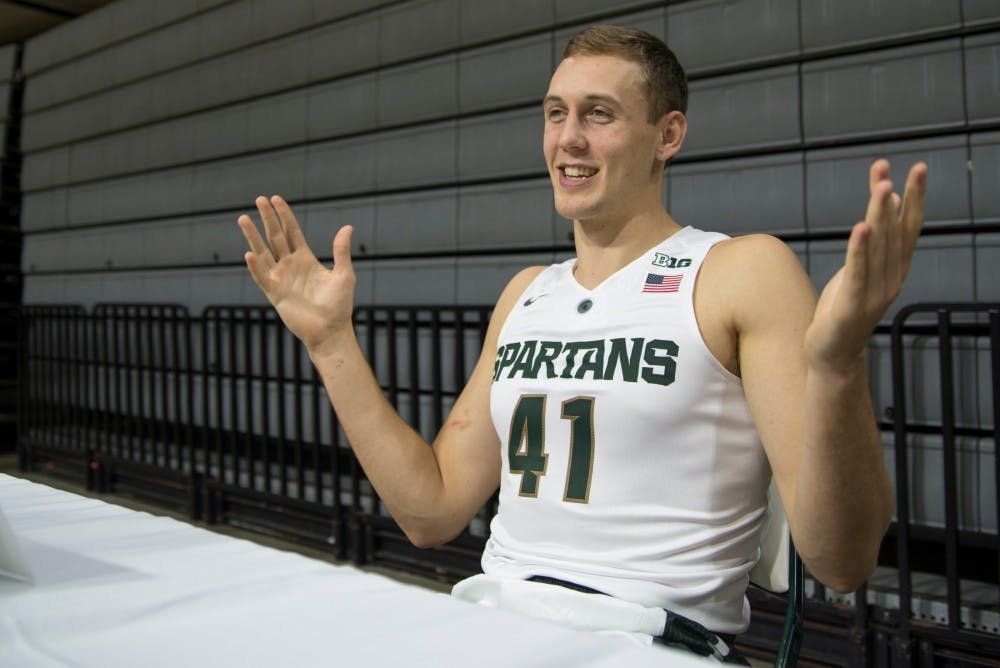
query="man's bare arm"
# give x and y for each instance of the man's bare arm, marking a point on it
(805, 375)
(432, 492)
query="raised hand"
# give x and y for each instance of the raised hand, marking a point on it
(314, 302)
(878, 258)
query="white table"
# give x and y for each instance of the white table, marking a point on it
(115, 587)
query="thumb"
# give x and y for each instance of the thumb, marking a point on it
(342, 249)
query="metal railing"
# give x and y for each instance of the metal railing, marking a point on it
(960, 549)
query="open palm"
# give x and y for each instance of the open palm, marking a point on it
(314, 302)
(878, 258)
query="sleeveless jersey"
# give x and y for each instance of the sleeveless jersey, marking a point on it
(631, 464)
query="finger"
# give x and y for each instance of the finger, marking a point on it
(881, 224)
(257, 245)
(250, 233)
(272, 228)
(912, 213)
(293, 233)
(259, 273)
(342, 249)
(878, 171)
(893, 272)
(854, 284)
(880, 190)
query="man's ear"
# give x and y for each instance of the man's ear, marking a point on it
(673, 128)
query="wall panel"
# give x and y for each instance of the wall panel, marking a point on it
(481, 280)
(416, 282)
(714, 195)
(320, 222)
(714, 34)
(838, 180)
(756, 111)
(987, 261)
(424, 90)
(501, 145)
(416, 222)
(341, 107)
(420, 156)
(837, 24)
(513, 72)
(982, 76)
(907, 89)
(506, 216)
(483, 20)
(397, 39)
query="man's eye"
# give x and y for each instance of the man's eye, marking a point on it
(554, 114)
(600, 114)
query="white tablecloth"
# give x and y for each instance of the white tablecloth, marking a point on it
(116, 587)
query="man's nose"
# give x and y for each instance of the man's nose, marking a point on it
(571, 134)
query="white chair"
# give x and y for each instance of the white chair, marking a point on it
(780, 571)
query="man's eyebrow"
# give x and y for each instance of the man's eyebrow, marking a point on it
(593, 97)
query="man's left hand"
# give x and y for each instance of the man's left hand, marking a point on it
(879, 252)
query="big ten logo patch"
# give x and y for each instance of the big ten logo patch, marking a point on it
(670, 262)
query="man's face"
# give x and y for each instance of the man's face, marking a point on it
(599, 145)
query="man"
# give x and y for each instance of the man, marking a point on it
(632, 403)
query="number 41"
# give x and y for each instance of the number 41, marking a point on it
(526, 446)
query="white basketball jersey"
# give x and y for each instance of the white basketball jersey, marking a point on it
(630, 460)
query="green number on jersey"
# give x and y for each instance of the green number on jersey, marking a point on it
(526, 445)
(580, 412)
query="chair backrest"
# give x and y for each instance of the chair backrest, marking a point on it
(779, 570)
(771, 572)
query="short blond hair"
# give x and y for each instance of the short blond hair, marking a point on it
(665, 83)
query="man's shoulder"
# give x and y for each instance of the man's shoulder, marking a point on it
(754, 269)
(752, 257)
(515, 288)
(522, 279)
(751, 244)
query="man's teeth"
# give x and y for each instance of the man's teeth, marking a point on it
(579, 172)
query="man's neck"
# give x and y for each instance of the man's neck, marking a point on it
(604, 247)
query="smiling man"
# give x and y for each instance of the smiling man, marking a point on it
(632, 403)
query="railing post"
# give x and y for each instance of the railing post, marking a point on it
(901, 644)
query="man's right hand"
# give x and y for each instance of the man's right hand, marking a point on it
(314, 302)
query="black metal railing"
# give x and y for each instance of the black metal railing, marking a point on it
(963, 548)
(222, 415)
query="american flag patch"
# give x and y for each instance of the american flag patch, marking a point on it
(658, 283)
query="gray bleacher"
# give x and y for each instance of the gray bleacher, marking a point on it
(148, 129)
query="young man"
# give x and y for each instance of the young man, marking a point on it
(632, 403)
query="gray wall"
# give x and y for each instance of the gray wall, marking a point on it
(149, 126)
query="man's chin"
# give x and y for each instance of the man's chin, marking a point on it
(573, 209)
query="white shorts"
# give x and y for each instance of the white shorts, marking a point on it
(579, 610)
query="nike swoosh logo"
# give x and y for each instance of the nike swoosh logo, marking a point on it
(531, 300)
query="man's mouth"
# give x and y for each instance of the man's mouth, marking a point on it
(578, 172)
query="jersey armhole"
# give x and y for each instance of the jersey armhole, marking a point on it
(696, 325)
(532, 284)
